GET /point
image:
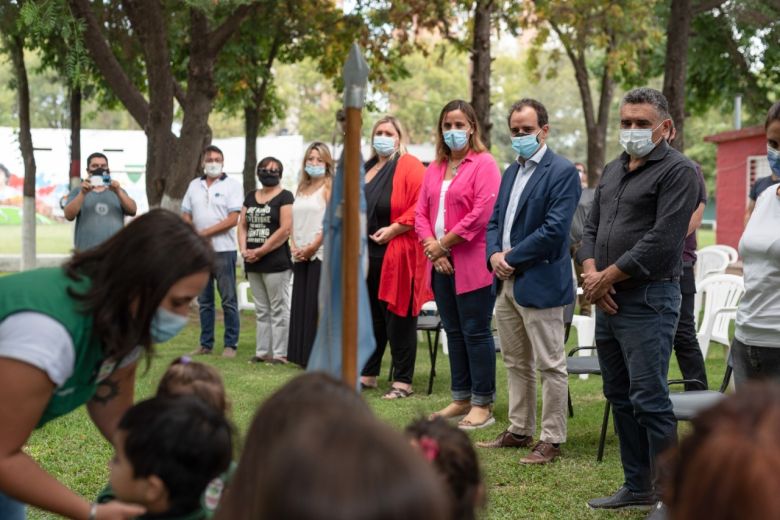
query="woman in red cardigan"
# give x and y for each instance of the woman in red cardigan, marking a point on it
(395, 258)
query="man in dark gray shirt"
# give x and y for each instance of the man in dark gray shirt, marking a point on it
(631, 254)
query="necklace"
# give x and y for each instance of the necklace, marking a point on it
(456, 166)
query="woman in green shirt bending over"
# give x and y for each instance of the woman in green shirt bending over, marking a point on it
(73, 335)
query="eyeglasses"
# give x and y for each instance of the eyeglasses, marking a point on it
(266, 171)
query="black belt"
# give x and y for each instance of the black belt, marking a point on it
(633, 283)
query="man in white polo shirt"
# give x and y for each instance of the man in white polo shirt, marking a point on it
(212, 204)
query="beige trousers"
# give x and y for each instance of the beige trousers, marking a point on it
(533, 339)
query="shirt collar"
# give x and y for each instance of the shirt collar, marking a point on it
(535, 158)
(658, 153)
(220, 178)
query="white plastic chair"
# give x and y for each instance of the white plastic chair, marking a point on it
(246, 301)
(709, 262)
(721, 294)
(732, 253)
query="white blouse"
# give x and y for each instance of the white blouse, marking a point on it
(308, 212)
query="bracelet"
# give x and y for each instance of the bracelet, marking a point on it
(92, 511)
(438, 241)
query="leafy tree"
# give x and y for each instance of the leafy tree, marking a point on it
(467, 24)
(608, 45)
(13, 43)
(736, 50)
(156, 32)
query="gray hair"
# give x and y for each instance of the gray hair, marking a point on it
(649, 96)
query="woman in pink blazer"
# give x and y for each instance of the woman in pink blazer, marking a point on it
(455, 204)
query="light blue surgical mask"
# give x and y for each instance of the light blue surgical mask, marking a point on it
(456, 140)
(315, 171)
(638, 142)
(384, 145)
(773, 156)
(166, 325)
(525, 145)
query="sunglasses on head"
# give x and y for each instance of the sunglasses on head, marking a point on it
(267, 171)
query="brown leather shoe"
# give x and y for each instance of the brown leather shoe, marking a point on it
(542, 453)
(506, 439)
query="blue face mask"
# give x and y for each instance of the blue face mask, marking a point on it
(315, 171)
(166, 325)
(384, 145)
(456, 140)
(525, 145)
(773, 156)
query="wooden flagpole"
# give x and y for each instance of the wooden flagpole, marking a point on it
(355, 80)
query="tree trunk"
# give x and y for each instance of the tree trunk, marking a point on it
(251, 124)
(254, 113)
(195, 134)
(480, 69)
(16, 48)
(677, 32)
(75, 136)
(171, 162)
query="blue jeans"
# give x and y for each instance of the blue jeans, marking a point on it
(225, 276)
(466, 320)
(10, 509)
(634, 347)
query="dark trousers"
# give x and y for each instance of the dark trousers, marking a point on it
(686, 346)
(225, 277)
(400, 331)
(466, 320)
(634, 347)
(304, 311)
(754, 363)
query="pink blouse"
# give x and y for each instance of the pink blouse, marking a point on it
(468, 206)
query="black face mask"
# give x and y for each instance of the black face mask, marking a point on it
(268, 179)
(98, 171)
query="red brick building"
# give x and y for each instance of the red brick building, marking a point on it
(741, 159)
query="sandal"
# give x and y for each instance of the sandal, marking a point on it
(365, 387)
(466, 424)
(397, 393)
(453, 411)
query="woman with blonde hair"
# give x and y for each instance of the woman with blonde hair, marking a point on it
(395, 258)
(306, 245)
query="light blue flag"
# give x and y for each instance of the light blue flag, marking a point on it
(326, 352)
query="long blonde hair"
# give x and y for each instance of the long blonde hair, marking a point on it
(399, 128)
(326, 157)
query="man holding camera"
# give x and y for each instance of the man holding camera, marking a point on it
(99, 205)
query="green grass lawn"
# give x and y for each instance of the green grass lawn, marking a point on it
(72, 449)
(54, 238)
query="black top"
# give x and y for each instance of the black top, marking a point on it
(639, 219)
(378, 193)
(761, 184)
(262, 221)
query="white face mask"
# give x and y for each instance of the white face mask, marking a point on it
(639, 142)
(212, 169)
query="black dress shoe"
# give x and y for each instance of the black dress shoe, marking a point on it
(624, 498)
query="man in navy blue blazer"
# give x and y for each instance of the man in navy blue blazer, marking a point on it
(528, 251)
